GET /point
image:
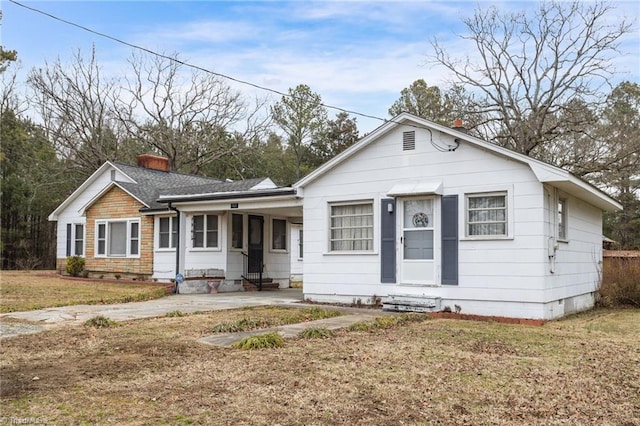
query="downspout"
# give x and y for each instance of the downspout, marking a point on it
(175, 288)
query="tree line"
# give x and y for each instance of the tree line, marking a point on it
(537, 84)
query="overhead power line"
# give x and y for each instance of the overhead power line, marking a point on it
(187, 64)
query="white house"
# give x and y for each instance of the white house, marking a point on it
(146, 222)
(416, 211)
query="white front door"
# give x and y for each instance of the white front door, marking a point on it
(420, 240)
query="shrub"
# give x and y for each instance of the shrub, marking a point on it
(260, 341)
(75, 265)
(316, 333)
(100, 321)
(174, 314)
(620, 282)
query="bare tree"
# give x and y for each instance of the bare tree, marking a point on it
(185, 115)
(74, 102)
(530, 66)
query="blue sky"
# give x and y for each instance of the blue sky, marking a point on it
(357, 55)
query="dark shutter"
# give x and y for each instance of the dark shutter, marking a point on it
(450, 239)
(388, 240)
(68, 239)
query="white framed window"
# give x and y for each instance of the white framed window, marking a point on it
(75, 239)
(486, 215)
(204, 231)
(118, 238)
(562, 219)
(351, 226)
(278, 234)
(237, 231)
(167, 232)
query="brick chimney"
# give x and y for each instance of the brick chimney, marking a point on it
(155, 162)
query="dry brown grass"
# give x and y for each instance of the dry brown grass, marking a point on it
(581, 370)
(29, 290)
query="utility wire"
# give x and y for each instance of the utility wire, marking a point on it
(196, 67)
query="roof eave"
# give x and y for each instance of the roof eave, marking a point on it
(227, 195)
(54, 214)
(104, 191)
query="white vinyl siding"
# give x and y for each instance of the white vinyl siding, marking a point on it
(486, 215)
(118, 238)
(204, 231)
(351, 227)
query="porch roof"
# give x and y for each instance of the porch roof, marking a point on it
(227, 195)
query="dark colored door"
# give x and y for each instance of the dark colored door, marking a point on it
(256, 243)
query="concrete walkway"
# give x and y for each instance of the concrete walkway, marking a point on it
(39, 320)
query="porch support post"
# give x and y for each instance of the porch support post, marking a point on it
(175, 288)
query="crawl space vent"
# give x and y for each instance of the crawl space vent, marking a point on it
(409, 141)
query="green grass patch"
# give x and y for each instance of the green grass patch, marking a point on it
(100, 321)
(387, 322)
(260, 341)
(316, 333)
(243, 324)
(175, 314)
(273, 317)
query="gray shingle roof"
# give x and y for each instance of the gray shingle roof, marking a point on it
(150, 184)
(210, 188)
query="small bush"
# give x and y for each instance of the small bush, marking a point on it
(117, 276)
(100, 321)
(75, 265)
(175, 314)
(620, 283)
(316, 333)
(260, 341)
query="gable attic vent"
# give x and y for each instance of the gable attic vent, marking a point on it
(409, 140)
(155, 162)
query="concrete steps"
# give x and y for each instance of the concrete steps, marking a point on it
(411, 303)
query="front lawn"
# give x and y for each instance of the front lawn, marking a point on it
(29, 290)
(581, 370)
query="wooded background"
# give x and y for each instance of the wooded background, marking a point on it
(538, 84)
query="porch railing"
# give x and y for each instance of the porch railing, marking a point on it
(254, 278)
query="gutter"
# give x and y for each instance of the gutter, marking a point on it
(170, 206)
(225, 195)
